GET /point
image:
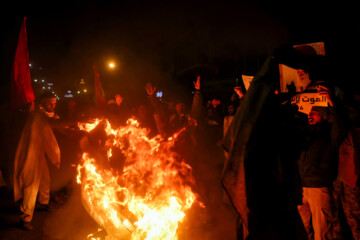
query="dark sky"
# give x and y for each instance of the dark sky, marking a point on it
(150, 40)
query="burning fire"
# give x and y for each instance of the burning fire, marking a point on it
(147, 197)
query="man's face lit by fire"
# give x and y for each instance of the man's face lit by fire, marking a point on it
(314, 118)
(231, 110)
(49, 104)
(142, 111)
(180, 108)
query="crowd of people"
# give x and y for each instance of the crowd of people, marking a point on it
(288, 175)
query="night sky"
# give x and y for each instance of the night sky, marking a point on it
(157, 41)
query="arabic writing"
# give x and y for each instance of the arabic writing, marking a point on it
(312, 100)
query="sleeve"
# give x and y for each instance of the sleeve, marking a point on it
(196, 105)
(356, 145)
(338, 129)
(49, 143)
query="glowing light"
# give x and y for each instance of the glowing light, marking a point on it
(159, 94)
(85, 90)
(111, 65)
(35, 80)
(43, 80)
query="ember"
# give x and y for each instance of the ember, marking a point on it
(148, 197)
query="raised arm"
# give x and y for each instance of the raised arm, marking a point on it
(197, 100)
(159, 115)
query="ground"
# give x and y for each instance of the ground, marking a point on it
(71, 221)
(63, 224)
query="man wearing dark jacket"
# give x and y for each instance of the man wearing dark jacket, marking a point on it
(318, 169)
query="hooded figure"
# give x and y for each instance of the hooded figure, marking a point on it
(31, 174)
(260, 174)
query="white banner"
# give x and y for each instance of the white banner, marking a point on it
(247, 81)
(306, 101)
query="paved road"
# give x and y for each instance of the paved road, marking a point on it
(72, 222)
(69, 221)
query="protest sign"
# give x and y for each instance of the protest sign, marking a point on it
(319, 47)
(247, 81)
(306, 101)
(295, 78)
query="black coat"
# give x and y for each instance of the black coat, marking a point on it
(319, 159)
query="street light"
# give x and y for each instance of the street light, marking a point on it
(111, 65)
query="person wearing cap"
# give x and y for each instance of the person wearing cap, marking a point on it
(317, 165)
(31, 173)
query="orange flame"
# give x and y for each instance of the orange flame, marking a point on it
(148, 197)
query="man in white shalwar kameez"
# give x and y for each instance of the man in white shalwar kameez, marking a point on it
(31, 173)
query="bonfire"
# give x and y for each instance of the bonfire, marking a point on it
(132, 186)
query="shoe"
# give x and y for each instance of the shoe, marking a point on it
(44, 207)
(27, 226)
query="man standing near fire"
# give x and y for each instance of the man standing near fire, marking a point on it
(31, 173)
(318, 169)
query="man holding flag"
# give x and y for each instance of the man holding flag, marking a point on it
(21, 103)
(31, 174)
(37, 142)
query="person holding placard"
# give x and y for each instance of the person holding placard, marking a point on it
(318, 169)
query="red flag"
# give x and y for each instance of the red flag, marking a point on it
(99, 92)
(21, 88)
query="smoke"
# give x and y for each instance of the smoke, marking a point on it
(218, 218)
(151, 43)
(150, 40)
(71, 221)
(212, 217)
